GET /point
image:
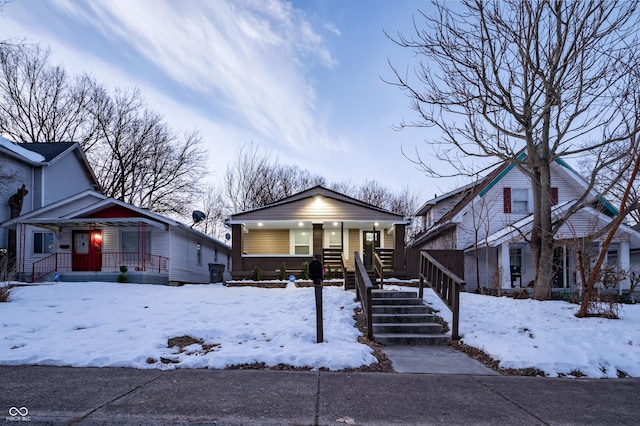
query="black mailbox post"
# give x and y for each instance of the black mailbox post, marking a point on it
(316, 273)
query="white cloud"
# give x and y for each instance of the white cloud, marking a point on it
(249, 58)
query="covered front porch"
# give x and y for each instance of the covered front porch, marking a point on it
(504, 260)
(93, 250)
(269, 246)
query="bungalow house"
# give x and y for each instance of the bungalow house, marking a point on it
(480, 231)
(316, 223)
(88, 237)
(35, 175)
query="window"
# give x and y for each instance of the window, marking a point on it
(516, 200)
(301, 242)
(199, 253)
(132, 242)
(334, 238)
(43, 242)
(520, 200)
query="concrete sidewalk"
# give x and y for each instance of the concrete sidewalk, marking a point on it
(59, 395)
(434, 360)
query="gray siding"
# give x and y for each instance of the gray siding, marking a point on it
(22, 175)
(64, 178)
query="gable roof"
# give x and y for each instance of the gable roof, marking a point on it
(480, 188)
(96, 203)
(48, 150)
(54, 151)
(483, 186)
(283, 209)
(16, 151)
(519, 230)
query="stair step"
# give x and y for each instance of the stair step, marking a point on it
(400, 309)
(390, 294)
(413, 339)
(407, 328)
(402, 318)
(395, 301)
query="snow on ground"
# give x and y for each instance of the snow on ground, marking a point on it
(123, 325)
(547, 335)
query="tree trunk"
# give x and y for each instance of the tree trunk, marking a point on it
(542, 230)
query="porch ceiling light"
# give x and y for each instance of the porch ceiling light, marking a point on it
(376, 224)
(260, 224)
(300, 224)
(335, 223)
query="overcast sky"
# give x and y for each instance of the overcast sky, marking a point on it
(301, 79)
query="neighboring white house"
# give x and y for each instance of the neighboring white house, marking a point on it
(88, 237)
(486, 225)
(65, 226)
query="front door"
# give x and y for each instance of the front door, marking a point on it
(559, 262)
(370, 240)
(87, 250)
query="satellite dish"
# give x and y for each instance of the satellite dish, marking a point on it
(198, 216)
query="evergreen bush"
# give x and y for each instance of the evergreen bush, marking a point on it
(257, 273)
(304, 271)
(282, 276)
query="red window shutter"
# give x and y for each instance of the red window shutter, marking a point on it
(554, 196)
(506, 199)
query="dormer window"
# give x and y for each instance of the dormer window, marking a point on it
(516, 200)
(520, 201)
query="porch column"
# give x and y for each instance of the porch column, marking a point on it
(504, 265)
(398, 251)
(317, 240)
(624, 263)
(236, 248)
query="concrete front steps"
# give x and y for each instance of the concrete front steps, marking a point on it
(401, 318)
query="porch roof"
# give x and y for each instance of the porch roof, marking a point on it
(56, 224)
(308, 224)
(520, 230)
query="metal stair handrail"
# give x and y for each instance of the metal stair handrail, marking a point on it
(445, 283)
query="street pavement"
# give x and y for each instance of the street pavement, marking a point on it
(96, 396)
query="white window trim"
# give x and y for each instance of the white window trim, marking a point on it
(292, 241)
(33, 243)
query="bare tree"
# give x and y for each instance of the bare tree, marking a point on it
(590, 279)
(136, 156)
(139, 160)
(216, 210)
(40, 102)
(524, 83)
(253, 180)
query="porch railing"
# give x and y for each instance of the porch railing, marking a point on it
(333, 258)
(363, 293)
(111, 261)
(383, 262)
(445, 283)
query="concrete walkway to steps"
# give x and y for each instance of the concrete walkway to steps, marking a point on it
(434, 360)
(59, 395)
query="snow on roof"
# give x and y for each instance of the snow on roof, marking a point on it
(31, 156)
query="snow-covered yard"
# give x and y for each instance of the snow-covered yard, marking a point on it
(129, 325)
(548, 336)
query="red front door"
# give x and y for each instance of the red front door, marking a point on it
(87, 250)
